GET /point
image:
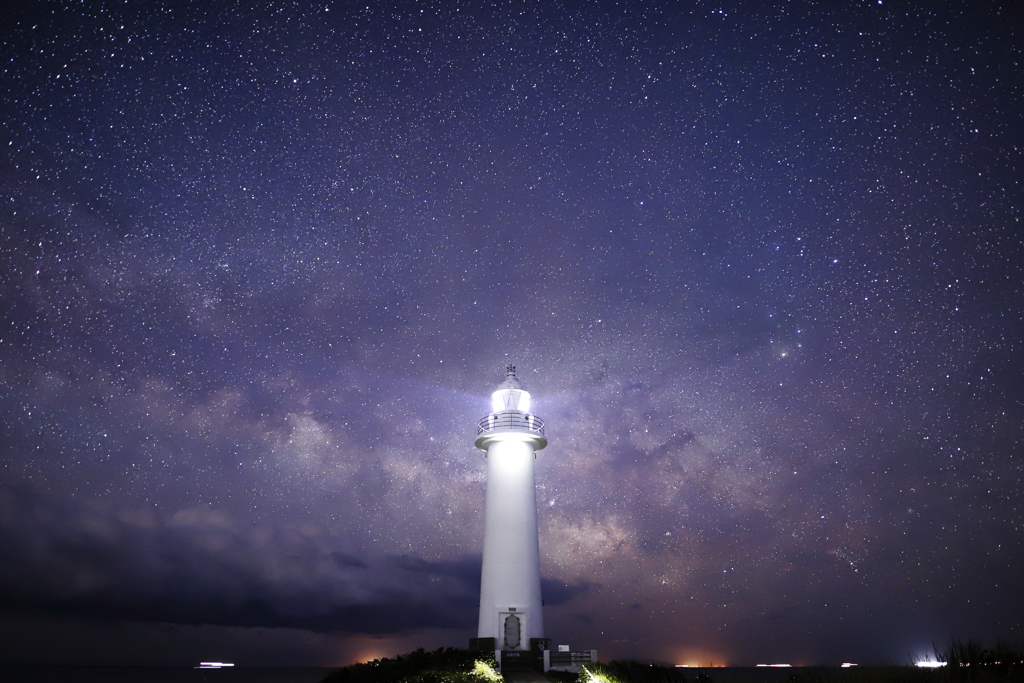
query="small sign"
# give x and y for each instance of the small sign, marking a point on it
(563, 648)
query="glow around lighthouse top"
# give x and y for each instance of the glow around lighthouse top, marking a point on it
(510, 394)
(510, 418)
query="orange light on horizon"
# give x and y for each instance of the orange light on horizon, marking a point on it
(364, 658)
(700, 659)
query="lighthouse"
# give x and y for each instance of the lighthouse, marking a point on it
(510, 600)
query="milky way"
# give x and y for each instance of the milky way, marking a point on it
(759, 264)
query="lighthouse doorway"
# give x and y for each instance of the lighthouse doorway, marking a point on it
(512, 632)
(511, 627)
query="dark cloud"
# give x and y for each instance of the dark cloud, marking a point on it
(65, 558)
(464, 570)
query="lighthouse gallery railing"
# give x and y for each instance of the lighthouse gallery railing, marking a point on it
(512, 420)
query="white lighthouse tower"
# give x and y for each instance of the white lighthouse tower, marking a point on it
(510, 601)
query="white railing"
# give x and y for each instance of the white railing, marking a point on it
(510, 421)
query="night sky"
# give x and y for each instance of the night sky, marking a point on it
(760, 265)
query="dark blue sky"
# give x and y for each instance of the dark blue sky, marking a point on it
(760, 265)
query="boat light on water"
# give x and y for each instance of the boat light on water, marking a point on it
(213, 665)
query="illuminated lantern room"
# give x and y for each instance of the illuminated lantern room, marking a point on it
(511, 418)
(510, 394)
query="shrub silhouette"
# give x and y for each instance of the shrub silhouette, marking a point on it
(443, 665)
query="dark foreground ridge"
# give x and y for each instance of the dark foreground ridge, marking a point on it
(968, 662)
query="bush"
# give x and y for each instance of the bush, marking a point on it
(444, 665)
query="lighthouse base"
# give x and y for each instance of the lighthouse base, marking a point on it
(534, 659)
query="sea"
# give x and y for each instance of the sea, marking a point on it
(160, 674)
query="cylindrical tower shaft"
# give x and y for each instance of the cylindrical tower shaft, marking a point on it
(510, 598)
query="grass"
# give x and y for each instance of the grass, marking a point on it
(973, 655)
